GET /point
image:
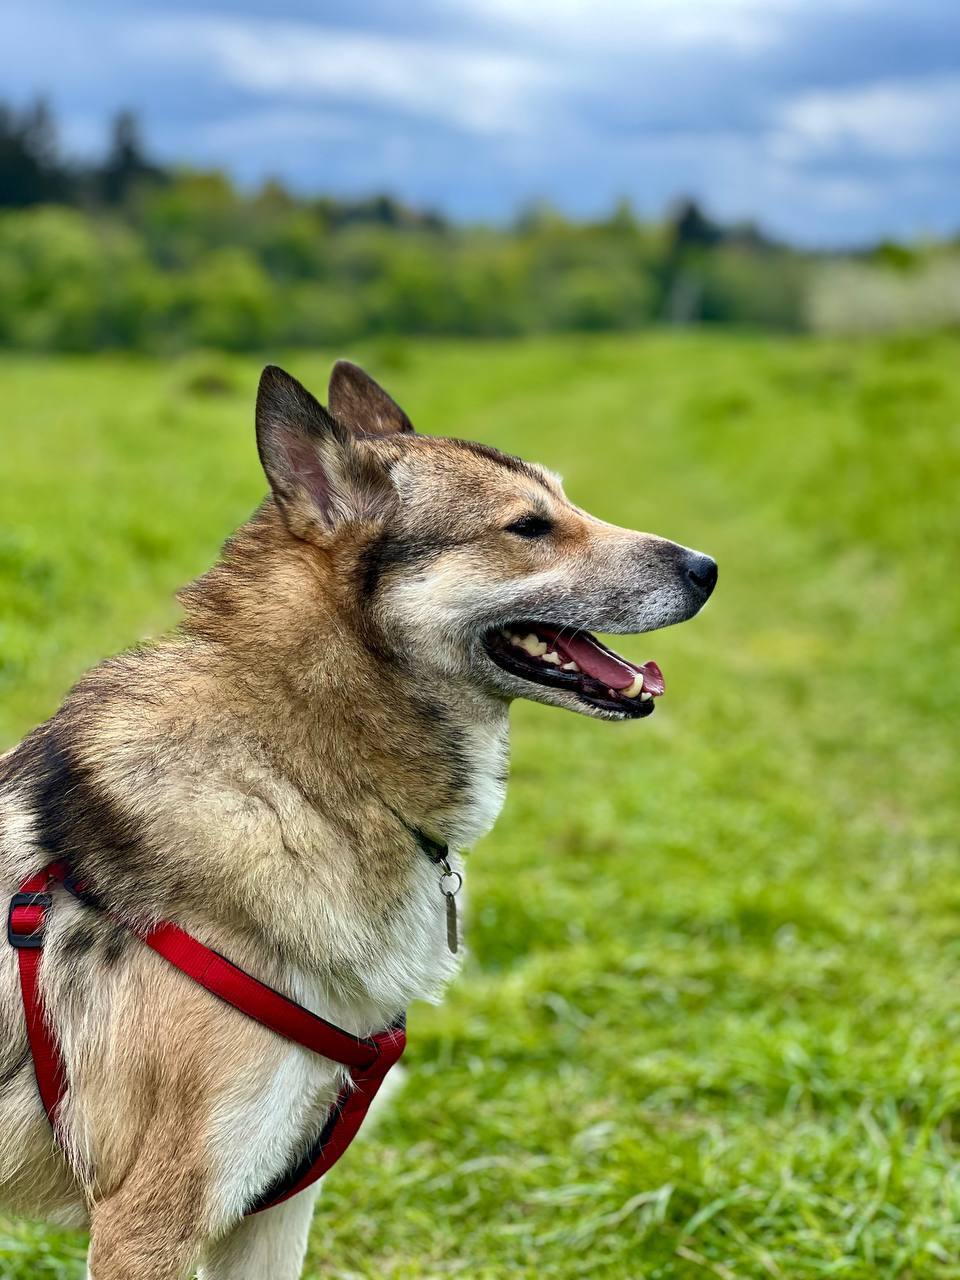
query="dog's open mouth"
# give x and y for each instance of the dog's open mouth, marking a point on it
(568, 658)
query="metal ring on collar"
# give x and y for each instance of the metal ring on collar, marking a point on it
(451, 875)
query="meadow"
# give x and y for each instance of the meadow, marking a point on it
(709, 1022)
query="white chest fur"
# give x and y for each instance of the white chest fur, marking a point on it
(486, 751)
(415, 962)
(411, 962)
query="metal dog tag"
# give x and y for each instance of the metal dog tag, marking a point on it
(453, 938)
(454, 878)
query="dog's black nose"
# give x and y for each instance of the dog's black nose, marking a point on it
(701, 573)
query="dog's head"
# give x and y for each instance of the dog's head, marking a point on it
(466, 565)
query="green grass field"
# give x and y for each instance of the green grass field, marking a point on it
(709, 1024)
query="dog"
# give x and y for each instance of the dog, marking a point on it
(290, 777)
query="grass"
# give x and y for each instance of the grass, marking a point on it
(710, 1020)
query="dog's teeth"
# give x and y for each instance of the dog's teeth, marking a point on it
(646, 697)
(533, 645)
(552, 657)
(633, 689)
(517, 640)
(569, 666)
(505, 633)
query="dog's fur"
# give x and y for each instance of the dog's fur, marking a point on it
(259, 777)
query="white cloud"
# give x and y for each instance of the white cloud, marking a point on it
(898, 120)
(642, 25)
(478, 90)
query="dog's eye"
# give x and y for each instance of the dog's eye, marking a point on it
(531, 526)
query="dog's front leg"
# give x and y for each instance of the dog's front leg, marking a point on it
(265, 1246)
(150, 1228)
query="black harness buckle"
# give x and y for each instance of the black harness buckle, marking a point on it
(32, 940)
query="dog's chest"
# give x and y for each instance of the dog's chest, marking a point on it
(413, 958)
(481, 798)
(395, 960)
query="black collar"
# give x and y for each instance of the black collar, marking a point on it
(437, 853)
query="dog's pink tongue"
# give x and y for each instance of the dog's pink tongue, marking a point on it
(652, 679)
(611, 670)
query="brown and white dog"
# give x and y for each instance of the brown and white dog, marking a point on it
(341, 680)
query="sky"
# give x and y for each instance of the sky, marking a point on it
(831, 122)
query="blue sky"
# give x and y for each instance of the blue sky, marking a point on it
(831, 121)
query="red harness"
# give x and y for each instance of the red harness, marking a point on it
(369, 1060)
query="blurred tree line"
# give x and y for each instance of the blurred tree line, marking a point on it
(125, 253)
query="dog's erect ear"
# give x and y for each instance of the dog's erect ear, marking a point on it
(362, 404)
(319, 475)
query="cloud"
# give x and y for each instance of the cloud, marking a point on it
(481, 91)
(639, 25)
(897, 121)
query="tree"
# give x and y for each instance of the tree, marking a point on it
(30, 171)
(691, 228)
(126, 165)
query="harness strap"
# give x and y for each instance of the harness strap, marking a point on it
(258, 1001)
(26, 924)
(369, 1059)
(343, 1123)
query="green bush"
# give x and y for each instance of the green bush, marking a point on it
(190, 261)
(231, 302)
(740, 286)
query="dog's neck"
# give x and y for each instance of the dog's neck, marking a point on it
(365, 770)
(344, 718)
(342, 752)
